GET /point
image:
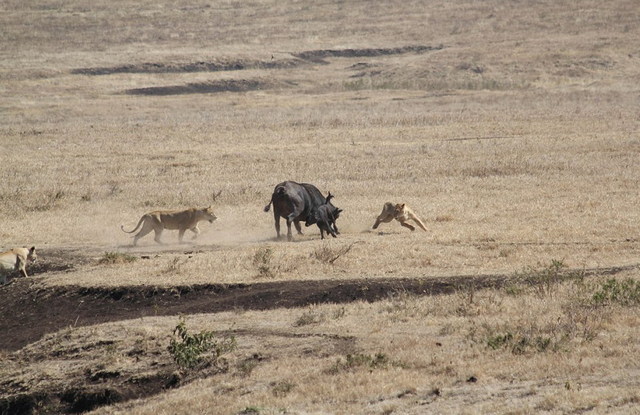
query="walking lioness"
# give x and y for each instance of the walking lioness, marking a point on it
(400, 212)
(16, 260)
(182, 220)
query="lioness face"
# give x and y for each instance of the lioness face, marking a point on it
(209, 215)
(31, 255)
(399, 209)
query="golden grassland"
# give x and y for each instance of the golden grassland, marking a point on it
(514, 135)
(518, 350)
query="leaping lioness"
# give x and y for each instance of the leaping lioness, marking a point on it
(182, 220)
(400, 212)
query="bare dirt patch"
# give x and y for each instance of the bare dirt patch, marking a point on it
(318, 56)
(81, 398)
(38, 310)
(220, 65)
(202, 66)
(231, 85)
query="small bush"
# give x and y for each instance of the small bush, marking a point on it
(262, 260)
(116, 258)
(309, 317)
(188, 349)
(328, 255)
(360, 360)
(625, 293)
(282, 389)
(545, 280)
(250, 410)
(49, 201)
(246, 366)
(499, 340)
(521, 343)
(174, 266)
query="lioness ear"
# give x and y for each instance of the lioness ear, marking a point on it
(402, 206)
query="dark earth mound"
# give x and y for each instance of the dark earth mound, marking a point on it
(301, 58)
(210, 66)
(317, 56)
(35, 311)
(31, 310)
(84, 397)
(230, 85)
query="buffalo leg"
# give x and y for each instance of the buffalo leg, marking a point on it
(276, 219)
(289, 234)
(297, 210)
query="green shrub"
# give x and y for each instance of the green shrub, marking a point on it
(521, 343)
(188, 349)
(360, 360)
(116, 258)
(545, 280)
(625, 293)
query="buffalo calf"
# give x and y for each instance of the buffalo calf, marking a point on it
(325, 217)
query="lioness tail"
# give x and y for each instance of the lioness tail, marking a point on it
(134, 229)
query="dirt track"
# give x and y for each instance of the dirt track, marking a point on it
(36, 311)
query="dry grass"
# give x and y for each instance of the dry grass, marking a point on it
(515, 139)
(414, 354)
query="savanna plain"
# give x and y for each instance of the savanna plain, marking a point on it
(512, 128)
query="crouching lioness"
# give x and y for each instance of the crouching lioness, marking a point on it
(400, 212)
(16, 260)
(182, 220)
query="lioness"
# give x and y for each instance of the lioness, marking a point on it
(16, 260)
(182, 220)
(400, 212)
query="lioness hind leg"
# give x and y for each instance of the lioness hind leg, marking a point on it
(146, 229)
(406, 225)
(384, 217)
(158, 232)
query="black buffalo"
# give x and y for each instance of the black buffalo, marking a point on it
(325, 217)
(294, 202)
